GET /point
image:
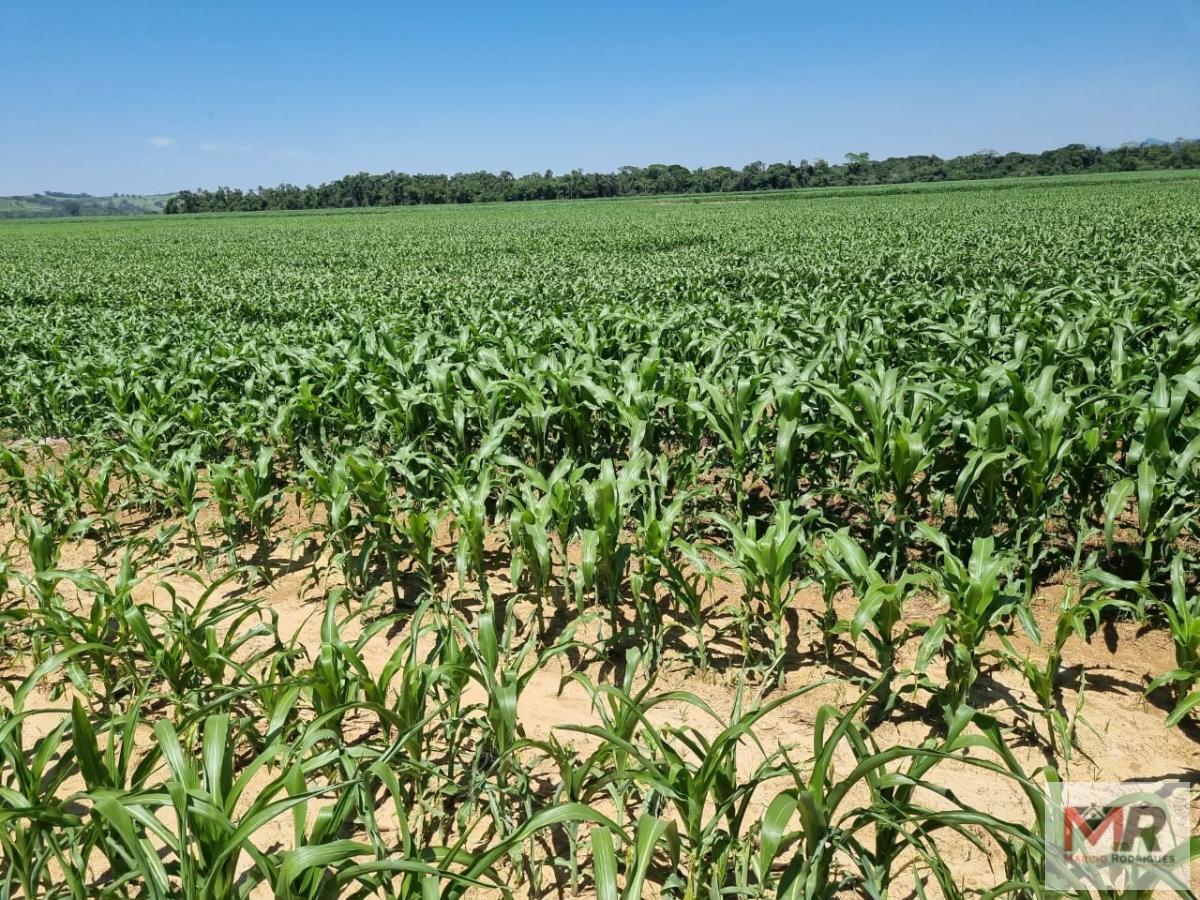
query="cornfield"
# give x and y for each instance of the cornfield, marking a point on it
(788, 547)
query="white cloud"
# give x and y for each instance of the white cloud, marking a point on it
(161, 141)
(223, 147)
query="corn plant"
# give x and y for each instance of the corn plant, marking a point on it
(888, 426)
(563, 490)
(247, 494)
(605, 552)
(101, 499)
(44, 541)
(1183, 618)
(356, 496)
(504, 672)
(689, 578)
(698, 777)
(14, 466)
(416, 532)
(530, 534)
(844, 844)
(469, 512)
(1162, 478)
(795, 428)
(1075, 616)
(203, 648)
(650, 833)
(879, 616)
(978, 599)
(204, 833)
(38, 829)
(179, 483)
(767, 565)
(735, 412)
(55, 488)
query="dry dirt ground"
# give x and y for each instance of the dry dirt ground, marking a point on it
(1121, 734)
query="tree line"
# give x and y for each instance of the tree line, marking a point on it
(402, 189)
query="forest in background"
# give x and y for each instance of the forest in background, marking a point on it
(403, 189)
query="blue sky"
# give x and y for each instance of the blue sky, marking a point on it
(140, 96)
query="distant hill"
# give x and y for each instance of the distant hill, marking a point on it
(58, 203)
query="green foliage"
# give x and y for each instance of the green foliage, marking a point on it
(399, 188)
(924, 404)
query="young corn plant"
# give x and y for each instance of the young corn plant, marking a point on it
(635, 402)
(247, 494)
(564, 493)
(860, 846)
(301, 873)
(204, 648)
(600, 774)
(979, 598)
(14, 486)
(735, 411)
(373, 492)
(503, 671)
(327, 487)
(101, 498)
(795, 427)
(879, 617)
(657, 567)
(1162, 481)
(698, 777)
(1182, 614)
(1075, 617)
(689, 578)
(1044, 445)
(339, 678)
(497, 776)
(44, 544)
(442, 872)
(45, 540)
(43, 845)
(144, 442)
(356, 496)
(197, 816)
(980, 491)
(530, 530)
(6, 578)
(888, 426)
(180, 480)
(102, 620)
(767, 564)
(417, 532)
(469, 519)
(605, 552)
(652, 832)
(55, 488)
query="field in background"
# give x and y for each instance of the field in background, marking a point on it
(58, 204)
(646, 547)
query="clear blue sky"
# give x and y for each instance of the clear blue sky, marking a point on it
(156, 96)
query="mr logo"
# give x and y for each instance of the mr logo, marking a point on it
(1118, 835)
(1127, 828)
